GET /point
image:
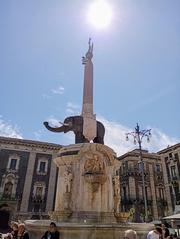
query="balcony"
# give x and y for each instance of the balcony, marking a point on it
(133, 171)
(10, 200)
(174, 178)
(135, 201)
(38, 199)
(158, 176)
(6, 197)
(161, 202)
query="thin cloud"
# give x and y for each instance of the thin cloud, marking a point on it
(59, 90)
(9, 130)
(154, 98)
(115, 138)
(72, 109)
(39, 134)
(66, 138)
(46, 96)
(53, 121)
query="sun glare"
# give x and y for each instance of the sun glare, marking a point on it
(100, 14)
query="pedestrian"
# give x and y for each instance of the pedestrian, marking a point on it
(130, 234)
(157, 233)
(22, 233)
(52, 233)
(14, 233)
(166, 233)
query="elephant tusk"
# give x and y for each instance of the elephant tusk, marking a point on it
(66, 124)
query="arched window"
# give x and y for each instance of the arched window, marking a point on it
(8, 190)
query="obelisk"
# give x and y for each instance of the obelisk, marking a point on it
(89, 118)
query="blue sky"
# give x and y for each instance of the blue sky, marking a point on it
(136, 68)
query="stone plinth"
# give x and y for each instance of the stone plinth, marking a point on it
(88, 187)
(88, 231)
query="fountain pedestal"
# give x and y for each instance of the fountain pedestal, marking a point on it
(87, 184)
(88, 197)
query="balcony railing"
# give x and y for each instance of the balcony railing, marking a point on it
(161, 202)
(132, 171)
(8, 197)
(135, 201)
(38, 199)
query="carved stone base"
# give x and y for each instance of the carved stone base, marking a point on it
(61, 216)
(82, 216)
(86, 230)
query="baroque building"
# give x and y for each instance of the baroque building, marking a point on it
(170, 158)
(27, 177)
(131, 185)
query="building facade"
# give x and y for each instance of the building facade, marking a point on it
(170, 158)
(131, 185)
(27, 177)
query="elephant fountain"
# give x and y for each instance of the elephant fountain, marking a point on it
(75, 124)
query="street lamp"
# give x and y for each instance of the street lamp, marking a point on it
(138, 135)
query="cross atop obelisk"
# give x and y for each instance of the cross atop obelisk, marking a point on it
(89, 119)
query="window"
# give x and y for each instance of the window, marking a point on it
(124, 192)
(173, 171)
(170, 156)
(158, 168)
(8, 190)
(166, 159)
(39, 192)
(42, 167)
(161, 193)
(176, 156)
(13, 164)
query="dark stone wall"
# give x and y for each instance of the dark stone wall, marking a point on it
(40, 178)
(24, 157)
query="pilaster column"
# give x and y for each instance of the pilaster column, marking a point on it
(28, 183)
(167, 189)
(153, 190)
(132, 187)
(51, 187)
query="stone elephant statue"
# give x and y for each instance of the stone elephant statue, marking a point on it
(75, 124)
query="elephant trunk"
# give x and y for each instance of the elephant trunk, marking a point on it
(62, 128)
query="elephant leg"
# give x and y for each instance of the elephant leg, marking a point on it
(98, 140)
(79, 138)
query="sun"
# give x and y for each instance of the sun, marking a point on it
(100, 14)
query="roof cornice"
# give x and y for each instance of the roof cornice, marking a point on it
(29, 143)
(169, 148)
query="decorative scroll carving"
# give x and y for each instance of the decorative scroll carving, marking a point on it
(94, 165)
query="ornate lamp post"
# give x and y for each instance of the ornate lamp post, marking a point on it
(138, 135)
